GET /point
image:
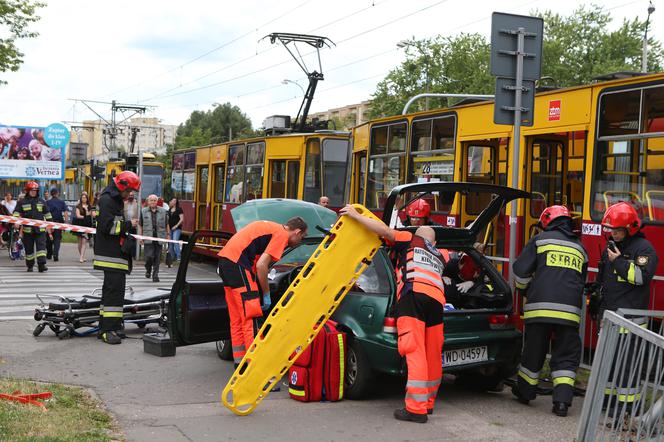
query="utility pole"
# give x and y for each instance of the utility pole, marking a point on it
(112, 127)
(644, 57)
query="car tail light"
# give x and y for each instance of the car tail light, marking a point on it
(390, 324)
(501, 322)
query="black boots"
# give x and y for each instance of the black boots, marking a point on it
(42, 268)
(518, 396)
(110, 337)
(404, 415)
(560, 409)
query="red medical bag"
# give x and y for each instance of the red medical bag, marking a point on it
(318, 373)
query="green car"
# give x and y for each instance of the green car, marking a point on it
(482, 343)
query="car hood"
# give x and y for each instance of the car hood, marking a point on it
(501, 195)
(281, 210)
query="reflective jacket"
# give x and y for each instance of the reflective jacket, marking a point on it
(626, 281)
(112, 229)
(421, 263)
(33, 208)
(553, 266)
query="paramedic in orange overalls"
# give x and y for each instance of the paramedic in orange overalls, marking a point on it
(243, 266)
(420, 302)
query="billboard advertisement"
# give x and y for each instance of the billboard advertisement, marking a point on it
(32, 152)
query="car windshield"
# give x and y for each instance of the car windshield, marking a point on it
(298, 255)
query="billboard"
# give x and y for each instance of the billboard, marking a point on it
(33, 152)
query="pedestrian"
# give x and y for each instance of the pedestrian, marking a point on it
(34, 238)
(323, 201)
(9, 202)
(4, 228)
(626, 270)
(419, 310)
(83, 218)
(175, 220)
(154, 223)
(243, 265)
(131, 207)
(60, 214)
(113, 249)
(553, 266)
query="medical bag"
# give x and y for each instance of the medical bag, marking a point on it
(318, 373)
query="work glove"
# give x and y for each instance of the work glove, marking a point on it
(463, 287)
(267, 301)
(447, 280)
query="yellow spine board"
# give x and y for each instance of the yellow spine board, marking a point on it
(299, 315)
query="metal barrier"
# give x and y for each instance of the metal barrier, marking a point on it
(625, 395)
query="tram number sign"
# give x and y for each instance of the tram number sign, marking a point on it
(591, 229)
(434, 168)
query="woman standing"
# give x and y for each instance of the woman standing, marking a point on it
(83, 218)
(175, 220)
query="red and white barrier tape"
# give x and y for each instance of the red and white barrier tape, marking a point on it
(82, 229)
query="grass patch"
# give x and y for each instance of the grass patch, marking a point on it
(73, 415)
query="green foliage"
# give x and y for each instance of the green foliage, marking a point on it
(576, 49)
(212, 126)
(15, 16)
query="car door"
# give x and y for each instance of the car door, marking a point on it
(197, 310)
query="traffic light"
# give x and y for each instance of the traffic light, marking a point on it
(96, 172)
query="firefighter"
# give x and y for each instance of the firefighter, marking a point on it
(627, 266)
(553, 266)
(34, 238)
(113, 249)
(243, 266)
(418, 213)
(420, 301)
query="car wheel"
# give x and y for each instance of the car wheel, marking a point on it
(357, 379)
(225, 350)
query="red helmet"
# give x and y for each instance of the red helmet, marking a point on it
(127, 180)
(468, 268)
(623, 215)
(419, 209)
(31, 185)
(551, 213)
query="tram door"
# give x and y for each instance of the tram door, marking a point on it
(480, 160)
(202, 214)
(284, 179)
(547, 166)
(218, 175)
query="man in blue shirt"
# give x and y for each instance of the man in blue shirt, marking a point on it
(60, 213)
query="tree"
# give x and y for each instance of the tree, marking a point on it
(15, 16)
(215, 126)
(576, 48)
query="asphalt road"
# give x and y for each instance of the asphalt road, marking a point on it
(177, 398)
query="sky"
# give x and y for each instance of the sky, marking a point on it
(176, 57)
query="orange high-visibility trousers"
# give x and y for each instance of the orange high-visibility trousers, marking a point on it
(243, 301)
(420, 340)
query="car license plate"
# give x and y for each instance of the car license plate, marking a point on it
(464, 356)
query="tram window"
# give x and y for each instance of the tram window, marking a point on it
(631, 168)
(202, 184)
(312, 185)
(235, 174)
(362, 172)
(335, 158)
(619, 114)
(546, 177)
(480, 170)
(293, 179)
(254, 171)
(218, 183)
(653, 110)
(379, 140)
(421, 136)
(385, 173)
(278, 179)
(443, 133)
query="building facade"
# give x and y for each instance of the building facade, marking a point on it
(349, 116)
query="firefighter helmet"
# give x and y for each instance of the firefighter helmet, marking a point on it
(419, 209)
(623, 215)
(127, 180)
(551, 213)
(31, 185)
